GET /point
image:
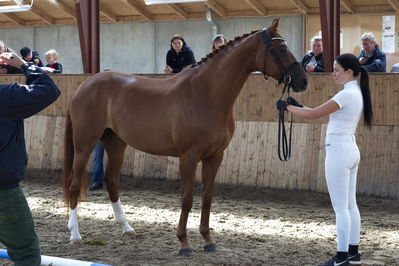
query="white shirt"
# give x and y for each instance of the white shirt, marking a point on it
(350, 100)
(312, 61)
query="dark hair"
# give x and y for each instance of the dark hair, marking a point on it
(349, 61)
(25, 51)
(177, 37)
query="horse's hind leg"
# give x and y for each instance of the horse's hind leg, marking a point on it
(78, 180)
(115, 149)
(210, 167)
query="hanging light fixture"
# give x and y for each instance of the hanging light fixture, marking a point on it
(16, 8)
(158, 2)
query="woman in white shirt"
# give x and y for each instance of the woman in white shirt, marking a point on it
(343, 113)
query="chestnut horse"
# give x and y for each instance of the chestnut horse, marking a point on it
(189, 115)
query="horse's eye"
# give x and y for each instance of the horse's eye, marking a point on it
(283, 49)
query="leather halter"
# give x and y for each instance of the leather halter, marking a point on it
(284, 143)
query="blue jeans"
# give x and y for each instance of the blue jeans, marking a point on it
(98, 165)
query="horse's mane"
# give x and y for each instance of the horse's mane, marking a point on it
(223, 47)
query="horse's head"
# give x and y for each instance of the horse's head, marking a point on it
(275, 59)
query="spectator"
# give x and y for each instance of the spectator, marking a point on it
(218, 41)
(98, 167)
(4, 67)
(313, 61)
(30, 56)
(179, 55)
(17, 102)
(371, 57)
(395, 68)
(52, 65)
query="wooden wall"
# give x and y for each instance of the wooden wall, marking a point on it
(251, 158)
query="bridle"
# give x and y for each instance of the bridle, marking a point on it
(284, 144)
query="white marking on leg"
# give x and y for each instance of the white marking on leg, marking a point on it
(73, 225)
(121, 218)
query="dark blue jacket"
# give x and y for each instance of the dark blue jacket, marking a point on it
(179, 60)
(18, 102)
(377, 62)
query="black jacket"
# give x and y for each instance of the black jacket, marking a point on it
(56, 66)
(17, 102)
(179, 60)
(319, 61)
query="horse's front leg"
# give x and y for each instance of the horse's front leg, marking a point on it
(188, 166)
(115, 148)
(210, 167)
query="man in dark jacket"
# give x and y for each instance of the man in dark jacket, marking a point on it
(17, 102)
(314, 61)
(371, 57)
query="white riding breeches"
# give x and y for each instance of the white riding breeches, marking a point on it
(341, 165)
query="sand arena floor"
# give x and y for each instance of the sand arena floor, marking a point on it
(252, 226)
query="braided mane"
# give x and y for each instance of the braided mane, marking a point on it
(223, 47)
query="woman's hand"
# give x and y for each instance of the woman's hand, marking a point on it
(167, 69)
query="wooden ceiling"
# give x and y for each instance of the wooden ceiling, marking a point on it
(62, 12)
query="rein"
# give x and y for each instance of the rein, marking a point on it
(284, 141)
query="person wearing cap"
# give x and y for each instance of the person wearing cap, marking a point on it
(178, 56)
(18, 102)
(30, 56)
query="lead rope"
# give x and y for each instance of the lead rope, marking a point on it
(284, 144)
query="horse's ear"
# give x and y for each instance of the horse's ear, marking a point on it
(274, 24)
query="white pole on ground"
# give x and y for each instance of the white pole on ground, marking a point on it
(56, 261)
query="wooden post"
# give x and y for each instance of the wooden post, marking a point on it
(330, 27)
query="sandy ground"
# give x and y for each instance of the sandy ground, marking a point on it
(252, 226)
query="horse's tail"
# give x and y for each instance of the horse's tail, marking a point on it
(68, 157)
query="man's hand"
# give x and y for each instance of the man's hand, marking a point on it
(12, 59)
(362, 60)
(310, 68)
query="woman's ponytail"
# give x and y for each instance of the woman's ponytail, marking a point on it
(367, 107)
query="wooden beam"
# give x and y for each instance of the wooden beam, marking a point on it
(14, 19)
(178, 10)
(347, 5)
(108, 13)
(394, 4)
(43, 16)
(301, 6)
(63, 7)
(138, 9)
(212, 4)
(258, 7)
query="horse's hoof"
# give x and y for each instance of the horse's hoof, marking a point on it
(129, 233)
(211, 247)
(75, 241)
(186, 252)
